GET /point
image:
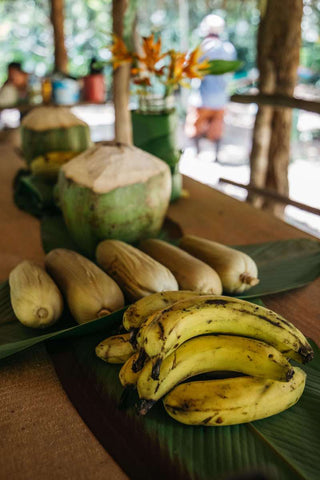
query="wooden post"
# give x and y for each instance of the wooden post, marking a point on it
(262, 128)
(57, 19)
(278, 59)
(184, 28)
(121, 81)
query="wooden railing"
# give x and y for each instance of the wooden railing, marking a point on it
(273, 195)
(278, 101)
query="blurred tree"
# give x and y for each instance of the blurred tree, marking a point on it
(60, 52)
(242, 19)
(26, 32)
(26, 35)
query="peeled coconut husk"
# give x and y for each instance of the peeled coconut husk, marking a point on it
(113, 191)
(53, 129)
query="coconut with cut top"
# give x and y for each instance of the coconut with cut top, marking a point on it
(48, 129)
(113, 191)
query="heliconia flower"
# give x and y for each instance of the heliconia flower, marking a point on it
(120, 53)
(142, 81)
(175, 69)
(135, 71)
(152, 55)
(192, 67)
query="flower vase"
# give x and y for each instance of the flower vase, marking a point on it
(154, 126)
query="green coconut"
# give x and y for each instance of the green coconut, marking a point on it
(53, 129)
(113, 191)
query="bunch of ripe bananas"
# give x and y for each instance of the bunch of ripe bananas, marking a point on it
(176, 335)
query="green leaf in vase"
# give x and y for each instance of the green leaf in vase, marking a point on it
(219, 67)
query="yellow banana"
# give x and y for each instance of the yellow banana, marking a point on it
(127, 376)
(221, 314)
(210, 353)
(232, 401)
(139, 311)
(115, 349)
(135, 340)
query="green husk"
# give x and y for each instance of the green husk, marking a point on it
(115, 215)
(113, 191)
(53, 129)
(76, 138)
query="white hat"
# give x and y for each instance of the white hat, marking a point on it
(212, 25)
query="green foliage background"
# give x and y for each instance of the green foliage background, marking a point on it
(26, 34)
(26, 31)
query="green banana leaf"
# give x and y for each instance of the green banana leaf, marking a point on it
(54, 233)
(283, 265)
(15, 337)
(33, 194)
(282, 447)
(219, 67)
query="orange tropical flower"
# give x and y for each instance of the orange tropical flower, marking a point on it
(175, 69)
(152, 54)
(192, 67)
(120, 53)
(142, 81)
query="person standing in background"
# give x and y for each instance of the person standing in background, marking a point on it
(207, 118)
(15, 87)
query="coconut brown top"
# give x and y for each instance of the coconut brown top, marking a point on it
(50, 117)
(103, 168)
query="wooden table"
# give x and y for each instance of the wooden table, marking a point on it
(41, 434)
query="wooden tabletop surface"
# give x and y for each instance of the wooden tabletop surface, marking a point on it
(41, 434)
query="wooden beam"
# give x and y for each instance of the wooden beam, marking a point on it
(272, 194)
(121, 80)
(57, 20)
(278, 101)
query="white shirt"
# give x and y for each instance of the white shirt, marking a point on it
(213, 88)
